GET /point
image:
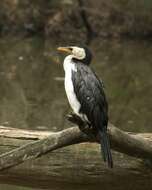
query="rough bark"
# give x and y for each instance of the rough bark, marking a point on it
(80, 163)
(133, 145)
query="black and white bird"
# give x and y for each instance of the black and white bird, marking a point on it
(86, 95)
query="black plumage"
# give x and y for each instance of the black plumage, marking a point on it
(86, 94)
(89, 92)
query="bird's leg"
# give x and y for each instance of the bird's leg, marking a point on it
(84, 126)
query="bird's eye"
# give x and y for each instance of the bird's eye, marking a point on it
(70, 49)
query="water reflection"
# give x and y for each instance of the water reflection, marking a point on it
(126, 68)
(32, 93)
(14, 187)
(31, 96)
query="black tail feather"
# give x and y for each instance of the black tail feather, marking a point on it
(105, 146)
(103, 151)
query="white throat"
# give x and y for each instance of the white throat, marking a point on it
(69, 67)
(69, 64)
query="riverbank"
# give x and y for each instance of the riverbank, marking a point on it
(77, 21)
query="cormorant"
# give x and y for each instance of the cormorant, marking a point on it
(86, 95)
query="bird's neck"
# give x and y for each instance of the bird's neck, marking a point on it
(68, 59)
(72, 59)
(69, 63)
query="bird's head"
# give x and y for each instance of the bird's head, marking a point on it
(81, 54)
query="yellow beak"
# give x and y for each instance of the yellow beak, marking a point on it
(65, 49)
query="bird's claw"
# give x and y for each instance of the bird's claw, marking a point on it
(85, 127)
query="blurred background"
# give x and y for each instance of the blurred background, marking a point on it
(119, 33)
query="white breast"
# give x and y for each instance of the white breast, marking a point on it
(68, 68)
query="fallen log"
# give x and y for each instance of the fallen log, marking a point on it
(79, 163)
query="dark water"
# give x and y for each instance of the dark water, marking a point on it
(13, 187)
(32, 94)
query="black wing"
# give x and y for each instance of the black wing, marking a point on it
(89, 92)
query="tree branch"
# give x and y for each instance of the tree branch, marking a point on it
(136, 145)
